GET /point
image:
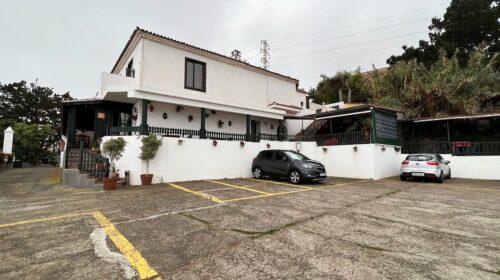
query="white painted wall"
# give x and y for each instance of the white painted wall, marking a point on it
(472, 167)
(163, 71)
(197, 159)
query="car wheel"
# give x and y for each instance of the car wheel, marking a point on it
(440, 178)
(449, 174)
(295, 177)
(257, 173)
(403, 178)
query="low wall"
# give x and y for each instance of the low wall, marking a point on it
(472, 167)
(198, 159)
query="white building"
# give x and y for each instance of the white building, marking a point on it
(178, 85)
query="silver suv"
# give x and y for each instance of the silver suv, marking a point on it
(432, 166)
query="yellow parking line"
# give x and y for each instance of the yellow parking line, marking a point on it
(240, 187)
(126, 248)
(260, 196)
(44, 219)
(280, 183)
(204, 195)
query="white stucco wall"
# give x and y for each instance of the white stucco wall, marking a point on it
(197, 159)
(472, 167)
(163, 71)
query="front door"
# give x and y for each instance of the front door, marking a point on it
(103, 122)
(255, 129)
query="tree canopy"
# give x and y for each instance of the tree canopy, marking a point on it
(464, 27)
(343, 86)
(31, 104)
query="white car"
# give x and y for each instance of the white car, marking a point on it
(432, 166)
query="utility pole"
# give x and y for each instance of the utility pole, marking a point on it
(266, 57)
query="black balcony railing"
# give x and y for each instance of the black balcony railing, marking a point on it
(93, 164)
(345, 138)
(456, 148)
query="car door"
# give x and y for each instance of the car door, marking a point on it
(266, 162)
(281, 163)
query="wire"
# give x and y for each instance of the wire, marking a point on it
(336, 56)
(351, 34)
(356, 24)
(350, 45)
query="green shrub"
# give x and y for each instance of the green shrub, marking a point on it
(149, 148)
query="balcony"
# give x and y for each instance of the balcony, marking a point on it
(113, 83)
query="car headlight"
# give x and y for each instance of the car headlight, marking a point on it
(309, 166)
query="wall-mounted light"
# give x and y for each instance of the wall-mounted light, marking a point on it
(268, 145)
(325, 149)
(214, 143)
(298, 146)
(382, 149)
(355, 148)
(397, 149)
(180, 141)
(165, 116)
(242, 144)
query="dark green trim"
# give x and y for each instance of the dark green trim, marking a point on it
(71, 126)
(248, 124)
(203, 131)
(373, 134)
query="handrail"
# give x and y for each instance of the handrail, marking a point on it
(94, 164)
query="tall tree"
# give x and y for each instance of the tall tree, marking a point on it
(343, 86)
(441, 89)
(31, 104)
(464, 27)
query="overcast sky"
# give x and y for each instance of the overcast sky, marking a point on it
(67, 44)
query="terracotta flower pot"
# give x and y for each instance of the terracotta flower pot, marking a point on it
(109, 184)
(146, 179)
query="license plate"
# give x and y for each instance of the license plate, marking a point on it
(419, 174)
(322, 174)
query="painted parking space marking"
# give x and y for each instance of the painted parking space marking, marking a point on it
(239, 187)
(201, 194)
(261, 194)
(133, 256)
(279, 183)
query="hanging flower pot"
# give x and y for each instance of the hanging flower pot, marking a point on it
(268, 145)
(355, 148)
(220, 123)
(242, 144)
(180, 141)
(325, 149)
(179, 108)
(190, 118)
(214, 143)
(151, 108)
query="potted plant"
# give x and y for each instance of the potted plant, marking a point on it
(113, 149)
(149, 148)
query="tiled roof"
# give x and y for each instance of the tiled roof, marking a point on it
(353, 109)
(456, 117)
(189, 47)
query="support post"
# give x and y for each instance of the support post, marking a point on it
(144, 117)
(80, 156)
(71, 127)
(449, 136)
(203, 131)
(248, 127)
(373, 132)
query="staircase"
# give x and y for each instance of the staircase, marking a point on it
(313, 128)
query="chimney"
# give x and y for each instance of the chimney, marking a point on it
(236, 54)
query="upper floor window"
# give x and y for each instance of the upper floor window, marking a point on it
(195, 75)
(129, 71)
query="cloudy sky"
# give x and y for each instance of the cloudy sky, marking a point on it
(67, 44)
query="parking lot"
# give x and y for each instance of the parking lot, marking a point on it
(247, 229)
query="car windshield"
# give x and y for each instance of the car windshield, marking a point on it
(419, 158)
(296, 156)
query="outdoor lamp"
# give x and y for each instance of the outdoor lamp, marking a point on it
(298, 145)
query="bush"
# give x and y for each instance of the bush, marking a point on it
(149, 148)
(114, 149)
